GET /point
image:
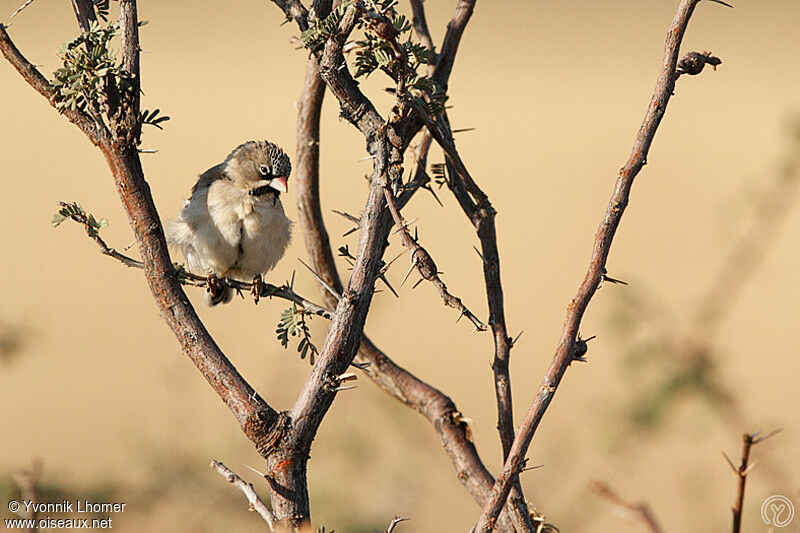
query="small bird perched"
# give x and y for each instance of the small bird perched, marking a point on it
(233, 225)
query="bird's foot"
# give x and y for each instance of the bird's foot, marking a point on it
(215, 288)
(258, 284)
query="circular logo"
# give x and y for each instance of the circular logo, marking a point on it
(777, 511)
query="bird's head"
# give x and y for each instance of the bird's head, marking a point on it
(259, 166)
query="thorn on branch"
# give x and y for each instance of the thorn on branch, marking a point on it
(581, 347)
(422, 261)
(337, 383)
(515, 339)
(609, 279)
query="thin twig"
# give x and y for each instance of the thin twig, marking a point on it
(284, 292)
(748, 440)
(256, 503)
(423, 262)
(396, 520)
(605, 235)
(639, 511)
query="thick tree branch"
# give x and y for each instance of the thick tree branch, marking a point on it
(567, 345)
(435, 406)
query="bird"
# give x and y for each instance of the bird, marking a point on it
(233, 225)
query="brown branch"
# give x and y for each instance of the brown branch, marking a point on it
(288, 462)
(603, 240)
(479, 210)
(640, 511)
(256, 503)
(294, 10)
(445, 59)
(84, 13)
(748, 440)
(420, 23)
(435, 406)
(423, 262)
(452, 38)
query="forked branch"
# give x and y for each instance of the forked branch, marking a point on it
(741, 471)
(566, 350)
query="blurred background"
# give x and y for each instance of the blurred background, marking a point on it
(93, 383)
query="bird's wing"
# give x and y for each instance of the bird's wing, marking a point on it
(208, 177)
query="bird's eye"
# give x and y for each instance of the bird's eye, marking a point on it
(264, 169)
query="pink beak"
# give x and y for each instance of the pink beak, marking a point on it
(279, 184)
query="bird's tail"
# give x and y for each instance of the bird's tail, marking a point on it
(222, 295)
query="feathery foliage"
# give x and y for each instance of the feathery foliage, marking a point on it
(293, 322)
(439, 174)
(315, 36)
(102, 7)
(89, 66)
(397, 58)
(152, 118)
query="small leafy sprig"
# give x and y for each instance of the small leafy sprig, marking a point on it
(382, 49)
(315, 36)
(152, 118)
(75, 212)
(102, 7)
(293, 322)
(93, 80)
(439, 174)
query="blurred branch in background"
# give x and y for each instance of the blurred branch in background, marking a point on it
(640, 512)
(670, 364)
(12, 340)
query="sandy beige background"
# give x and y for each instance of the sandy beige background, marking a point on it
(556, 90)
